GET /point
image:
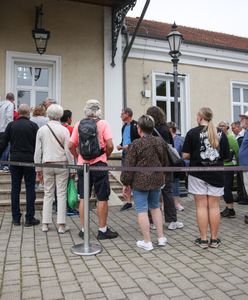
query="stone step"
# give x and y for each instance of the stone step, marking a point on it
(6, 194)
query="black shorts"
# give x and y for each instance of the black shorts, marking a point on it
(98, 179)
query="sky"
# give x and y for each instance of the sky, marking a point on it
(227, 16)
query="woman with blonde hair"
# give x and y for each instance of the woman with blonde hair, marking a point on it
(39, 116)
(205, 147)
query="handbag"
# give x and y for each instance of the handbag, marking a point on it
(174, 158)
(72, 195)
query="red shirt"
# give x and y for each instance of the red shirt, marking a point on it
(16, 115)
(69, 127)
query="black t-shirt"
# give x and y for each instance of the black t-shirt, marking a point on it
(203, 154)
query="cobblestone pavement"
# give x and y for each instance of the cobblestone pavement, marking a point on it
(37, 265)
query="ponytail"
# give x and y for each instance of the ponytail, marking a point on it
(212, 135)
(207, 114)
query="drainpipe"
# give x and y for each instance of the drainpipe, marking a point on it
(128, 48)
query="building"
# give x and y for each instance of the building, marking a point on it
(79, 58)
(214, 67)
(83, 60)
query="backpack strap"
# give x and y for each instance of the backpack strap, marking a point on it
(56, 137)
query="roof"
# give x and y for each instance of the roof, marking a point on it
(111, 3)
(159, 30)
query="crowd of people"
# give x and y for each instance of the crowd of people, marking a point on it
(44, 135)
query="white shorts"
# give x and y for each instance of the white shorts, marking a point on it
(197, 186)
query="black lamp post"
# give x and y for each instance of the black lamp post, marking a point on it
(40, 35)
(175, 39)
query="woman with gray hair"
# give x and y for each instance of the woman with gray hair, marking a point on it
(52, 147)
(147, 151)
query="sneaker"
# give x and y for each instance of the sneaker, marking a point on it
(16, 222)
(175, 225)
(152, 226)
(81, 234)
(246, 219)
(109, 234)
(228, 213)
(32, 222)
(179, 207)
(162, 241)
(44, 228)
(144, 245)
(5, 169)
(201, 243)
(63, 229)
(243, 202)
(72, 212)
(215, 243)
(126, 206)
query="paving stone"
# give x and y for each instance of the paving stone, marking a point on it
(11, 296)
(182, 283)
(240, 297)
(173, 292)
(225, 286)
(52, 293)
(137, 296)
(95, 296)
(217, 294)
(31, 293)
(113, 293)
(194, 293)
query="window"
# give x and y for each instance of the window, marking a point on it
(164, 98)
(239, 100)
(32, 83)
(32, 77)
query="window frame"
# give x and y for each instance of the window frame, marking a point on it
(183, 99)
(241, 85)
(53, 61)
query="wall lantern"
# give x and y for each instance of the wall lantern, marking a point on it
(40, 35)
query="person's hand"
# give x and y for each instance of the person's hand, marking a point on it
(72, 175)
(40, 176)
(126, 192)
(119, 147)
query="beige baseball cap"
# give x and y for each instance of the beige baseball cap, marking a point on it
(245, 115)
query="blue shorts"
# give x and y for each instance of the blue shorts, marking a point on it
(144, 200)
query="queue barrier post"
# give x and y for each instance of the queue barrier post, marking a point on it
(86, 248)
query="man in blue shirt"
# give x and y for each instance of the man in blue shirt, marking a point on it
(243, 151)
(129, 133)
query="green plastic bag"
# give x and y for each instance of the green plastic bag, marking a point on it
(72, 195)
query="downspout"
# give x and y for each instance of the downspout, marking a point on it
(127, 50)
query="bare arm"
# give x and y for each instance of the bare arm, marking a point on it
(72, 149)
(109, 147)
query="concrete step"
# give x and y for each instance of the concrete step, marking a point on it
(6, 194)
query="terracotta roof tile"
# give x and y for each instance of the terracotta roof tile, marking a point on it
(159, 30)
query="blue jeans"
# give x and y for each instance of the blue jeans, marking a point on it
(176, 187)
(17, 173)
(144, 200)
(5, 156)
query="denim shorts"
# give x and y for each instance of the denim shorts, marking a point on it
(144, 200)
